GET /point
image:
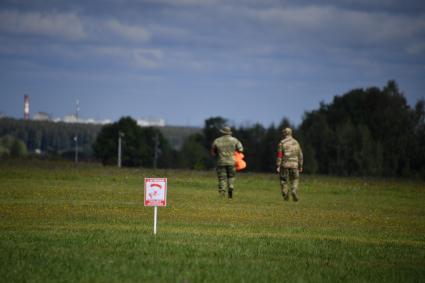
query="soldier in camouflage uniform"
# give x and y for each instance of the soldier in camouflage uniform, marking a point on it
(224, 148)
(289, 164)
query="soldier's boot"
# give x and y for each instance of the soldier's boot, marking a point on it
(285, 194)
(294, 196)
(230, 193)
(230, 182)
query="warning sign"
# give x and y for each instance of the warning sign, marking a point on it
(155, 191)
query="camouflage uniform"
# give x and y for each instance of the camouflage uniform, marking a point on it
(224, 148)
(289, 164)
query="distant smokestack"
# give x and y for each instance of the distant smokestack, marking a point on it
(26, 107)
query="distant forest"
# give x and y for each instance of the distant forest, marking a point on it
(51, 139)
(365, 132)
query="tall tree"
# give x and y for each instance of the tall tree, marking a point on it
(363, 132)
(138, 144)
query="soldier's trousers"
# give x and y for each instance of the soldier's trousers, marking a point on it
(289, 176)
(226, 177)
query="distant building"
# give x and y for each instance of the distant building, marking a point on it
(94, 122)
(42, 116)
(104, 122)
(151, 122)
(73, 119)
(2, 115)
(90, 121)
(70, 118)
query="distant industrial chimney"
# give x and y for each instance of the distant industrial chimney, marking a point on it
(26, 107)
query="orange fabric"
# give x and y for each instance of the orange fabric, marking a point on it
(240, 164)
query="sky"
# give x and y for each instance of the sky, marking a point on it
(188, 60)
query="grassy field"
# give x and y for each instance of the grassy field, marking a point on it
(65, 223)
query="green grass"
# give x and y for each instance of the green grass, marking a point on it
(65, 223)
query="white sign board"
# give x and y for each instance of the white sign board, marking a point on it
(155, 191)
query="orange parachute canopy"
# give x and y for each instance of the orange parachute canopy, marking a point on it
(240, 164)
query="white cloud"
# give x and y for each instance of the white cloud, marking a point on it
(139, 57)
(111, 51)
(332, 24)
(150, 58)
(64, 25)
(131, 32)
(170, 32)
(185, 2)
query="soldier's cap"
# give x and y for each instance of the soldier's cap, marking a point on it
(287, 132)
(226, 131)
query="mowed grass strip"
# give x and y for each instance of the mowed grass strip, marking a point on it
(62, 222)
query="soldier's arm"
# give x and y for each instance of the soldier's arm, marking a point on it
(213, 150)
(279, 157)
(300, 160)
(239, 146)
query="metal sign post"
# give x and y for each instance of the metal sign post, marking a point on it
(120, 136)
(155, 217)
(155, 195)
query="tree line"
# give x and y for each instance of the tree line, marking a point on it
(364, 132)
(49, 139)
